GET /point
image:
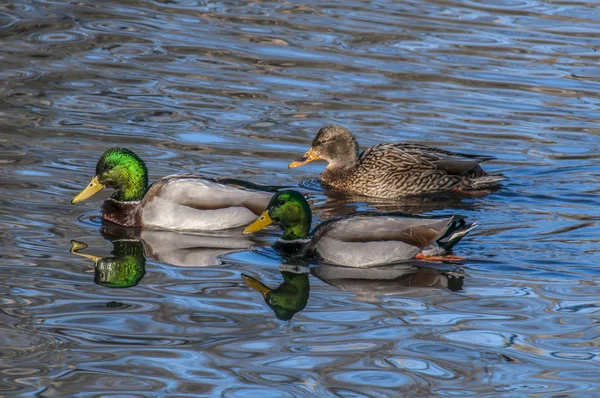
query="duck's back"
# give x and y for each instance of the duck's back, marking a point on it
(402, 169)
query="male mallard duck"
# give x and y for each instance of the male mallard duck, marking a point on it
(393, 170)
(181, 202)
(360, 240)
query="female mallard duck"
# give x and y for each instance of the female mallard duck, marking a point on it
(393, 170)
(180, 202)
(360, 240)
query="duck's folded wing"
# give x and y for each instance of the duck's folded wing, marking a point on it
(366, 241)
(204, 194)
(414, 157)
(191, 203)
(443, 152)
(418, 232)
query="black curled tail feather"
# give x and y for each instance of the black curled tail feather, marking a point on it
(457, 229)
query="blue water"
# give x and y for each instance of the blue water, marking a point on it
(239, 89)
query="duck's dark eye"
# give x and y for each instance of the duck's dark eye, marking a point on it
(322, 142)
(281, 202)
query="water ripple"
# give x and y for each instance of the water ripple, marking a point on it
(239, 90)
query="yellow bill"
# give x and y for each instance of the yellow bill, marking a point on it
(263, 221)
(308, 157)
(256, 285)
(93, 188)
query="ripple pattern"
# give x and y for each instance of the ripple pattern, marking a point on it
(238, 89)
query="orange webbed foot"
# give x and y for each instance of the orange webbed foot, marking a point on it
(447, 258)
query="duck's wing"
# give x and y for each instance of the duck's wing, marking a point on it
(403, 157)
(414, 231)
(369, 240)
(188, 202)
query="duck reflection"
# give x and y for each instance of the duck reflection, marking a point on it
(184, 249)
(125, 269)
(291, 296)
(131, 248)
(394, 279)
(336, 204)
(189, 250)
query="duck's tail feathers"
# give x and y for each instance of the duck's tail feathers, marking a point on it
(480, 183)
(456, 231)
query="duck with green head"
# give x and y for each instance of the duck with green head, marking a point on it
(362, 239)
(180, 202)
(393, 170)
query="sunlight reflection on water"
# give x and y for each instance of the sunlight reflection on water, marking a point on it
(239, 90)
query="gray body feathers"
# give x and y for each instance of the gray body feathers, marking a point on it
(367, 240)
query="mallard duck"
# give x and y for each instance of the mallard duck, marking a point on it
(179, 202)
(393, 170)
(360, 240)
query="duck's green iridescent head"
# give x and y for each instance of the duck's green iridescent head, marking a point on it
(122, 170)
(290, 209)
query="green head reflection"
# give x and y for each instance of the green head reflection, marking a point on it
(287, 299)
(125, 269)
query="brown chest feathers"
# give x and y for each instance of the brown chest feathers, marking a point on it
(126, 214)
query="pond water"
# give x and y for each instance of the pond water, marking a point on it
(239, 89)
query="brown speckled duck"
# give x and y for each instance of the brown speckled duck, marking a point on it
(393, 170)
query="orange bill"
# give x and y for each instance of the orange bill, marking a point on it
(308, 157)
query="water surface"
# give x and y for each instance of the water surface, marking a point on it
(238, 89)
